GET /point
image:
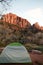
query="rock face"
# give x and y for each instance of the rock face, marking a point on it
(16, 20)
(19, 22)
(37, 26)
(42, 28)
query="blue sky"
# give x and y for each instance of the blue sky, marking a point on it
(32, 10)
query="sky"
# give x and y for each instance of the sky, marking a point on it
(32, 10)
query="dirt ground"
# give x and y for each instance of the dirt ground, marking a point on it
(37, 59)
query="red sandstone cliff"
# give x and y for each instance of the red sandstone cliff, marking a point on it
(37, 26)
(16, 20)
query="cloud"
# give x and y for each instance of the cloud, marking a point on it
(34, 15)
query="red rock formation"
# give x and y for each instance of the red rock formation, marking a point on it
(19, 22)
(41, 27)
(37, 26)
(16, 20)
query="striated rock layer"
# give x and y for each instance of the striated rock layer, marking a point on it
(16, 20)
(19, 22)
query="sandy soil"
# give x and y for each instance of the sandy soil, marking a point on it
(37, 59)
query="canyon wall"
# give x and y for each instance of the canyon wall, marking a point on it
(16, 20)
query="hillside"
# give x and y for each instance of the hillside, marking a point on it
(19, 22)
(16, 29)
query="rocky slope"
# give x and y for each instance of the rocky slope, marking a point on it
(16, 29)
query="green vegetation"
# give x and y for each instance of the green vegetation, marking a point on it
(30, 46)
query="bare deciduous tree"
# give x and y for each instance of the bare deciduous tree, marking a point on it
(5, 4)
